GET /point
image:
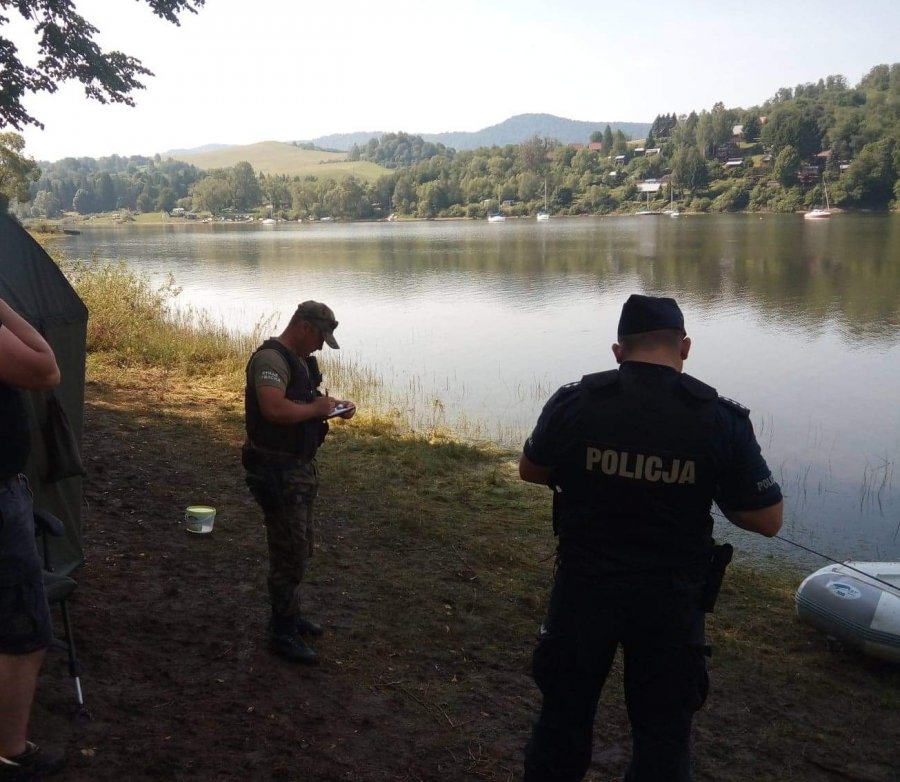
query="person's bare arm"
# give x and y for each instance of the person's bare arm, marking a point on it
(26, 360)
(764, 521)
(277, 408)
(533, 473)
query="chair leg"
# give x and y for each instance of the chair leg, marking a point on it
(74, 664)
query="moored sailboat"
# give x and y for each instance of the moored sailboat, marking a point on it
(544, 214)
(498, 216)
(820, 214)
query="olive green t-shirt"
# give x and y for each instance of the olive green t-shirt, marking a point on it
(269, 368)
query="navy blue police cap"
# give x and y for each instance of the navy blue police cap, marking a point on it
(649, 313)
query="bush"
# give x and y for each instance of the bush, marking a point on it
(134, 323)
(733, 199)
(700, 204)
(762, 194)
(790, 200)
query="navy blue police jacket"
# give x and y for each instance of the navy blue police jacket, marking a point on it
(637, 456)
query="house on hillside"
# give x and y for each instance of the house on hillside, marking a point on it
(593, 146)
(809, 174)
(649, 186)
(725, 152)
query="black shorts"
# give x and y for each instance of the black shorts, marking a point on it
(24, 614)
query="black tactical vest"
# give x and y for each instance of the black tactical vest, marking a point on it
(301, 439)
(14, 434)
(637, 484)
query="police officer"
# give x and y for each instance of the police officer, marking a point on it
(285, 420)
(636, 456)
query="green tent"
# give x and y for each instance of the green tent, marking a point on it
(33, 285)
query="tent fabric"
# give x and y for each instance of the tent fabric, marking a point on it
(33, 285)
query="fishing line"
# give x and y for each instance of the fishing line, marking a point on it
(837, 562)
(826, 557)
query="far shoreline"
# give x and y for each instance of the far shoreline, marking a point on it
(72, 225)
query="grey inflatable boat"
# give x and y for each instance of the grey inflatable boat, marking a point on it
(857, 603)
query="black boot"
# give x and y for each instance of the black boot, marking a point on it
(308, 628)
(34, 763)
(287, 644)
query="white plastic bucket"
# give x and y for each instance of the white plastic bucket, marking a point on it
(199, 519)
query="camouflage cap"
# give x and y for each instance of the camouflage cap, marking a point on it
(649, 313)
(322, 317)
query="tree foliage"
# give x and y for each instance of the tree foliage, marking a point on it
(114, 182)
(212, 194)
(787, 164)
(67, 51)
(689, 169)
(397, 150)
(17, 172)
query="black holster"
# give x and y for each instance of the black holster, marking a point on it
(556, 509)
(719, 558)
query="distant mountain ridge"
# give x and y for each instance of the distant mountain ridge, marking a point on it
(514, 130)
(195, 150)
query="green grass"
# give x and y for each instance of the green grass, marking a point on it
(132, 323)
(276, 157)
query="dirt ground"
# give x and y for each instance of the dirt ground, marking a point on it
(425, 663)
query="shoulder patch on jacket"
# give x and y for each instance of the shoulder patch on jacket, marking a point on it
(697, 388)
(564, 394)
(737, 407)
(600, 379)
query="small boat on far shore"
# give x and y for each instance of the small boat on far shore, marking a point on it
(543, 214)
(819, 214)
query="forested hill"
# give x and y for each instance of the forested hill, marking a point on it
(514, 130)
(821, 143)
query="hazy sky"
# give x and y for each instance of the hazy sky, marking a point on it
(240, 72)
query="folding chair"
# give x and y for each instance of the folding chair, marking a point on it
(59, 588)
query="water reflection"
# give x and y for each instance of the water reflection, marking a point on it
(796, 319)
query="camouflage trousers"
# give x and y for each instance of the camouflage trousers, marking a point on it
(286, 492)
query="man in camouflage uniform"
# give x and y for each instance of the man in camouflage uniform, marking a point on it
(286, 423)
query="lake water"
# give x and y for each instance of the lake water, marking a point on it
(476, 324)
